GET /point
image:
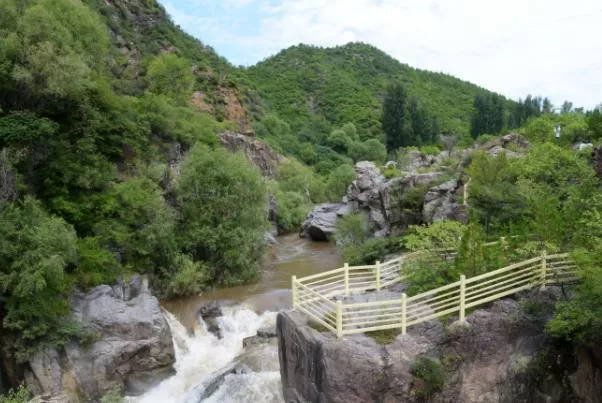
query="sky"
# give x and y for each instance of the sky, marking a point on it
(550, 48)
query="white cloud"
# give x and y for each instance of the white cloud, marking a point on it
(547, 47)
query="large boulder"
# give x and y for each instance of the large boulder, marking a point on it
(320, 224)
(502, 355)
(130, 346)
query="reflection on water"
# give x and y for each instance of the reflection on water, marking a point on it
(291, 256)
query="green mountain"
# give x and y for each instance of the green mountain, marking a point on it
(348, 84)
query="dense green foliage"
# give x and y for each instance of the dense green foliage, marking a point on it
(431, 372)
(19, 395)
(405, 122)
(488, 115)
(223, 207)
(309, 85)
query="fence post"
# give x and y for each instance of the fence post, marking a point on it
(346, 278)
(339, 319)
(544, 268)
(294, 291)
(462, 297)
(404, 307)
(377, 275)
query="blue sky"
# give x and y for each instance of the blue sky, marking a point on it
(515, 47)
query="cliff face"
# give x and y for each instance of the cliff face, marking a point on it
(502, 355)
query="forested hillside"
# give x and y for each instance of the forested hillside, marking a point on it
(304, 84)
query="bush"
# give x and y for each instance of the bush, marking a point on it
(352, 230)
(430, 150)
(338, 182)
(223, 203)
(19, 395)
(293, 207)
(431, 372)
(435, 268)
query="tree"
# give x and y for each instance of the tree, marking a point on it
(493, 194)
(547, 106)
(369, 150)
(35, 251)
(488, 115)
(594, 122)
(339, 140)
(566, 107)
(223, 202)
(396, 120)
(170, 75)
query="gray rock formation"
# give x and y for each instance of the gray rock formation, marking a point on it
(131, 347)
(320, 224)
(441, 203)
(382, 201)
(501, 355)
(257, 152)
(209, 312)
(264, 335)
(513, 145)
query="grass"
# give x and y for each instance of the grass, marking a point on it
(317, 326)
(384, 337)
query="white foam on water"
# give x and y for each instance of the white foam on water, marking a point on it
(201, 354)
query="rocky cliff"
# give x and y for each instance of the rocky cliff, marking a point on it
(502, 354)
(428, 190)
(129, 349)
(391, 204)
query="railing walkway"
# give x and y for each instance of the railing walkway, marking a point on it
(327, 298)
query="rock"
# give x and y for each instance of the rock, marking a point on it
(513, 144)
(131, 350)
(320, 224)
(209, 387)
(209, 312)
(257, 152)
(267, 332)
(597, 157)
(502, 354)
(440, 203)
(264, 335)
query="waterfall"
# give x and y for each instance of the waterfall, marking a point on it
(205, 363)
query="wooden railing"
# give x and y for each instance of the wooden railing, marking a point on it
(322, 296)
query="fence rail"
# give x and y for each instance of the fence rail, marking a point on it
(321, 296)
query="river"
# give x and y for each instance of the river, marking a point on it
(253, 373)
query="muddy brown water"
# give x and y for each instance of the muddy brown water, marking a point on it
(290, 256)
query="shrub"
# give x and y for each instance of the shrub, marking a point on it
(19, 395)
(384, 337)
(338, 182)
(352, 230)
(431, 372)
(430, 150)
(293, 207)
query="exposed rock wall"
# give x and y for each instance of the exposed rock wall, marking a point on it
(258, 153)
(131, 347)
(385, 202)
(502, 356)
